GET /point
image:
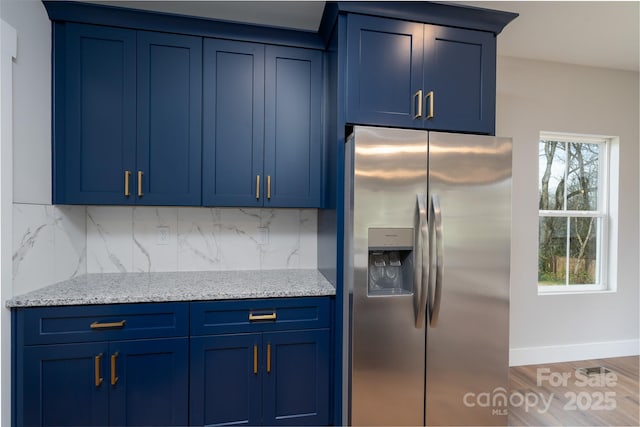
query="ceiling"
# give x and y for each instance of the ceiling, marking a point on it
(593, 33)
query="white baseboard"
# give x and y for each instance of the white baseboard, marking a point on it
(571, 352)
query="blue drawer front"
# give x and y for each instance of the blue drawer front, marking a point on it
(49, 325)
(228, 317)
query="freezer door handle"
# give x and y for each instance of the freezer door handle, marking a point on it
(421, 263)
(435, 281)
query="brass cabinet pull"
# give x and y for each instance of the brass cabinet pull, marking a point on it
(98, 377)
(127, 176)
(96, 325)
(114, 378)
(418, 110)
(258, 317)
(258, 187)
(255, 359)
(268, 358)
(140, 194)
(268, 186)
(430, 95)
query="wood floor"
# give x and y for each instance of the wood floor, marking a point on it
(560, 394)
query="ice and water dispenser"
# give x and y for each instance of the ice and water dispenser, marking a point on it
(390, 261)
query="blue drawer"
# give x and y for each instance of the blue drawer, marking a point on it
(229, 317)
(70, 324)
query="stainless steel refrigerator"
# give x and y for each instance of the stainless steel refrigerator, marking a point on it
(426, 274)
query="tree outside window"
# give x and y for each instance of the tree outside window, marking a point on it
(571, 212)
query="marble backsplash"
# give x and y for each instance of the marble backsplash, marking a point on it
(49, 245)
(149, 239)
(54, 243)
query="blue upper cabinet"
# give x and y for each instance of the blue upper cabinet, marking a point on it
(169, 119)
(416, 75)
(233, 125)
(154, 109)
(94, 113)
(384, 70)
(293, 146)
(127, 116)
(460, 77)
(262, 125)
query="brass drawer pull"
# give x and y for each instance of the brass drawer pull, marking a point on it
(269, 187)
(258, 317)
(268, 358)
(96, 325)
(257, 187)
(140, 193)
(114, 377)
(431, 114)
(127, 177)
(98, 377)
(418, 109)
(255, 359)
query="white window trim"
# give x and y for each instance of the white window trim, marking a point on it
(607, 210)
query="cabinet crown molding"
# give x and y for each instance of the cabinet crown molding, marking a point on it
(114, 16)
(450, 15)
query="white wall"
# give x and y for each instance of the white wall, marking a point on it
(534, 96)
(8, 51)
(26, 130)
(31, 101)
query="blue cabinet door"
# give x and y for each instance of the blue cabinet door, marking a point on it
(233, 123)
(384, 71)
(64, 385)
(95, 122)
(293, 145)
(415, 75)
(169, 105)
(461, 72)
(225, 378)
(149, 382)
(296, 380)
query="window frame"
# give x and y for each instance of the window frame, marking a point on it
(602, 213)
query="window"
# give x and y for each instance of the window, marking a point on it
(572, 241)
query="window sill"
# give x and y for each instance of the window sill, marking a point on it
(576, 292)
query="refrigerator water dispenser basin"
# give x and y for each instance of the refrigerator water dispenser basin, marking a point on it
(390, 261)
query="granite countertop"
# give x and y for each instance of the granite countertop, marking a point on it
(115, 288)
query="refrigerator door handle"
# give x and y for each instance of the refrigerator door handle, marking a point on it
(421, 267)
(435, 214)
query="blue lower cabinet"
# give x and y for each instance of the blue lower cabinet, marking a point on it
(63, 385)
(279, 378)
(120, 365)
(125, 383)
(225, 380)
(267, 363)
(149, 382)
(296, 380)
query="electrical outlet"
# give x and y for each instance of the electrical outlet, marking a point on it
(164, 234)
(263, 233)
